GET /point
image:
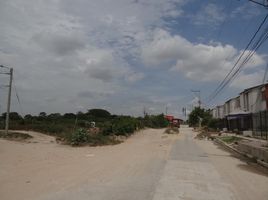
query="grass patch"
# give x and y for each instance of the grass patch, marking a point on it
(230, 139)
(15, 136)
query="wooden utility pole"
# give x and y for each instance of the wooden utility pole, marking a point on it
(9, 99)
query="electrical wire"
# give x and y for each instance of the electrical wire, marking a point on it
(223, 82)
(250, 54)
(263, 82)
(17, 96)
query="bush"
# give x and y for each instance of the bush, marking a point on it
(155, 121)
(79, 137)
(213, 123)
(124, 126)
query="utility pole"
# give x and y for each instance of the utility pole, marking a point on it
(10, 73)
(166, 110)
(9, 99)
(198, 96)
(144, 111)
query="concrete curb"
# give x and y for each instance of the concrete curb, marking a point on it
(219, 141)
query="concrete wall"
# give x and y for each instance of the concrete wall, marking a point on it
(257, 151)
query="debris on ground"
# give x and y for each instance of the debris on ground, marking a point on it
(172, 130)
(204, 134)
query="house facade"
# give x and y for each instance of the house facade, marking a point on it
(246, 112)
(218, 112)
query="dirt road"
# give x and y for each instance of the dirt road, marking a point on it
(149, 165)
(43, 170)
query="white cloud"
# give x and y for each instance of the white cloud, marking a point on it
(245, 80)
(199, 62)
(65, 52)
(210, 14)
(246, 11)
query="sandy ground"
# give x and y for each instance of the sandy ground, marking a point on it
(149, 165)
(43, 169)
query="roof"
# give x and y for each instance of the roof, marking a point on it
(232, 99)
(251, 88)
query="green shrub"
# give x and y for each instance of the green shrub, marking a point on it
(79, 137)
(124, 126)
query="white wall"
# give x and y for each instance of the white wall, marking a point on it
(255, 102)
(220, 113)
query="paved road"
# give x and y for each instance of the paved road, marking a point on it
(200, 170)
(148, 166)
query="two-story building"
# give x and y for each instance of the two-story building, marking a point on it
(246, 112)
(254, 100)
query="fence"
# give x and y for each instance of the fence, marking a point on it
(260, 125)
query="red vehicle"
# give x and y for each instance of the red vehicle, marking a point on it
(173, 121)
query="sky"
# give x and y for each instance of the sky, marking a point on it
(124, 55)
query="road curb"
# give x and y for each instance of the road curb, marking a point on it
(219, 141)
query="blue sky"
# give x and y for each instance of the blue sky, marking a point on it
(124, 55)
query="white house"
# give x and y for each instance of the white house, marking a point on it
(253, 99)
(218, 112)
(242, 113)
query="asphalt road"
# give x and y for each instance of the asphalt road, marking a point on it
(148, 166)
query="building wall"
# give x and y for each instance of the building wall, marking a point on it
(251, 100)
(214, 113)
(254, 102)
(220, 112)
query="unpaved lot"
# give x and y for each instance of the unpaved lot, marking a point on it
(43, 169)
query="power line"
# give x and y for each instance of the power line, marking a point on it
(223, 82)
(264, 4)
(250, 54)
(263, 81)
(17, 96)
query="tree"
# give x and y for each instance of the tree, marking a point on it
(12, 116)
(42, 114)
(69, 116)
(28, 117)
(198, 113)
(54, 116)
(195, 116)
(99, 113)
